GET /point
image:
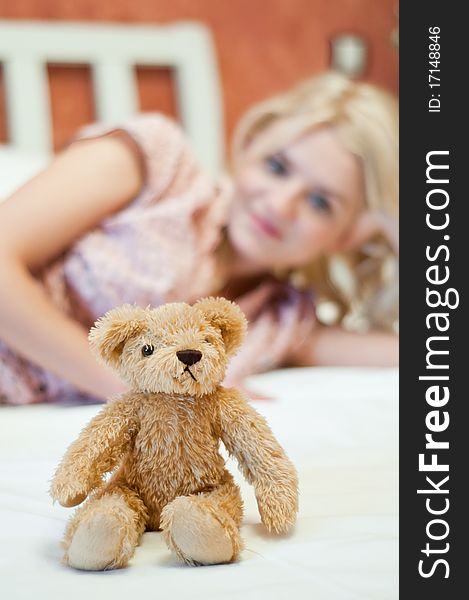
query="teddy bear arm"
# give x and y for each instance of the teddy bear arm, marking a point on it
(96, 451)
(262, 461)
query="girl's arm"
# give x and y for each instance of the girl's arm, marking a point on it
(333, 346)
(84, 184)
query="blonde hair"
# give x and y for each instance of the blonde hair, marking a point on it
(362, 285)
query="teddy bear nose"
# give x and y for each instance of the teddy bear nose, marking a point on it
(189, 357)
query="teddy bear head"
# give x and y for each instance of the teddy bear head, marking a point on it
(174, 348)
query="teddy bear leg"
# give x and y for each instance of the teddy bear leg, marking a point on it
(203, 529)
(104, 533)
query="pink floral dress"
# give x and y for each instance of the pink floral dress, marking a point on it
(159, 248)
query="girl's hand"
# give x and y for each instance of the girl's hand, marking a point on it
(254, 302)
(249, 392)
(370, 224)
(285, 319)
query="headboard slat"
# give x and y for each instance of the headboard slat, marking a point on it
(115, 91)
(28, 105)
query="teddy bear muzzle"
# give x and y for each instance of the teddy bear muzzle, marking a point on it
(189, 357)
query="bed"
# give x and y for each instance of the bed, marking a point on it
(112, 52)
(340, 427)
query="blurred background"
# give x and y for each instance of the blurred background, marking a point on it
(260, 47)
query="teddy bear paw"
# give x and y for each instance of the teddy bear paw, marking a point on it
(68, 492)
(196, 536)
(95, 545)
(104, 538)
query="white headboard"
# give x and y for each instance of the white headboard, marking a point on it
(112, 51)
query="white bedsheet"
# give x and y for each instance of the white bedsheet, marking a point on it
(340, 427)
(17, 167)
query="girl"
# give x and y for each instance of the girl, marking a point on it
(307, 223)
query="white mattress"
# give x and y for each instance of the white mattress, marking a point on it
(340, 427)
(17, 167)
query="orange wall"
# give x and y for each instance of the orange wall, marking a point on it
(262, 45)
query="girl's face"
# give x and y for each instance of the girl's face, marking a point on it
(296, 204)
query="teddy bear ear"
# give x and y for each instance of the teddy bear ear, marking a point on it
(110, 333)
(229, 319)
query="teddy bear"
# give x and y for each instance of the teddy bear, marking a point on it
(150, 461)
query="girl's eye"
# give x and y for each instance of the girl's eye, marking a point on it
(320, 203)
(147, 350)
(276, 166)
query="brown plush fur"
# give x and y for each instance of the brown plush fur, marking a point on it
(160, 442)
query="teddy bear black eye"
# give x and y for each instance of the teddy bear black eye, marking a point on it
(147, 350)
